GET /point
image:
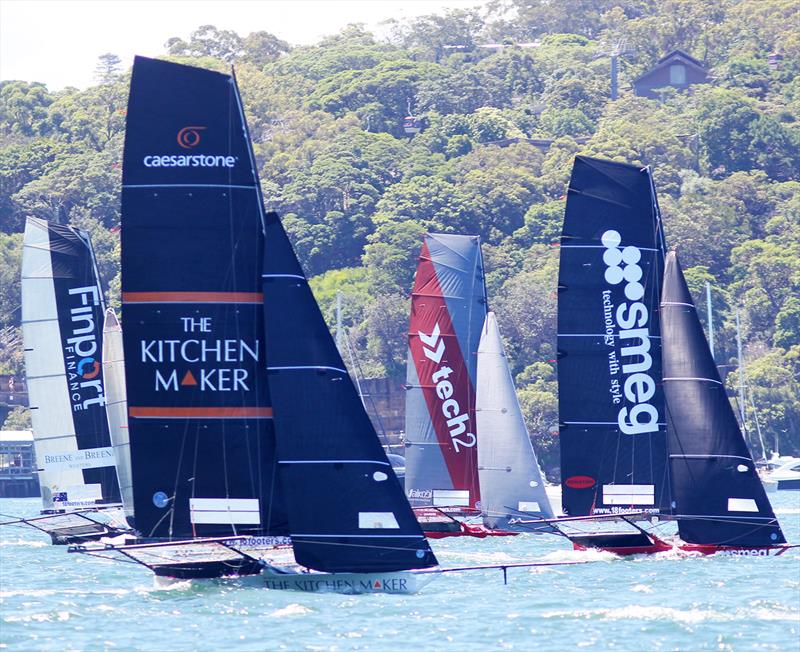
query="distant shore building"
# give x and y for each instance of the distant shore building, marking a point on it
(18, 477)
(676, 70)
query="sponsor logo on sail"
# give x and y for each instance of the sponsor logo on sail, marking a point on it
(627, 334)
(580, 482)
(200, 361)
(81, 346)
(189, 137)
(458, 421)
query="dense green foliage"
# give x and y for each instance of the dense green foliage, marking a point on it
(356, 192)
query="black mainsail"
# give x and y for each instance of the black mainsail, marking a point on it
(611, 403)
(719, 498)
(347, 510)
(201, 437)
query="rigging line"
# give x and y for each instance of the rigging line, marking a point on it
(354, 359)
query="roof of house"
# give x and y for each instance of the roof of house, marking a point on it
(669, 59)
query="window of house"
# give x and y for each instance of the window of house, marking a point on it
(677, 74)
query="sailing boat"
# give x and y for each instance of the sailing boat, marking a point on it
(219, 479)
(512, 490)
(717, 497)
(62, 309)
(637, 442)
(448, 309)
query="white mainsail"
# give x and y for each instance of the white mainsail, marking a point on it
(117, 406)
(510, 478)
(48, 391)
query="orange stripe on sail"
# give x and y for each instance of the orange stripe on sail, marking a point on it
(200, 412)
(192, 297)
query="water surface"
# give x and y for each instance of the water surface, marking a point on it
(51, 600)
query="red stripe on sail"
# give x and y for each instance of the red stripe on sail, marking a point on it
(199, 413)
(429, 310)
(192, 297)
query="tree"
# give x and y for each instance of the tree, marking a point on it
(18, 419)
(23, 108)
(208, 41)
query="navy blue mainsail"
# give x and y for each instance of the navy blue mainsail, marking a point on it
(611, 403)
(62, 322)
(347, 510)
(201, 438)
(719, 498)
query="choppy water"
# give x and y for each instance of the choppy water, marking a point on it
(50, 600)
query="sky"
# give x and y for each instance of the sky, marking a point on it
(57, 42)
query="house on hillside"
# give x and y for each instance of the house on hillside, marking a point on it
(677, 70)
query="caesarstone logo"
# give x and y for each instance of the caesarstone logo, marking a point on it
(627, 329)
(189, 137)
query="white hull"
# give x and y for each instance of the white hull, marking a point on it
(404, 582)
(399, 582)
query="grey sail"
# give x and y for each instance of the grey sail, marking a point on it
(511, 481)
(117, 407)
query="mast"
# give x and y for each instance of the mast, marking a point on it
(611, 405)
(740, 360)
(346, 508)
(719, 498)
(62, 312)
(710, 320)
(511, 481)
(200, 421)
(448, 308)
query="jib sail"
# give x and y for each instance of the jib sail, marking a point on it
(611, 403)
(200, 420)
(346, 508)
(719, 498)
(448, 308)
(511, 482)
(117, 407)
(62, 321)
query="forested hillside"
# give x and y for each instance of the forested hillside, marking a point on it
(357, 192)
